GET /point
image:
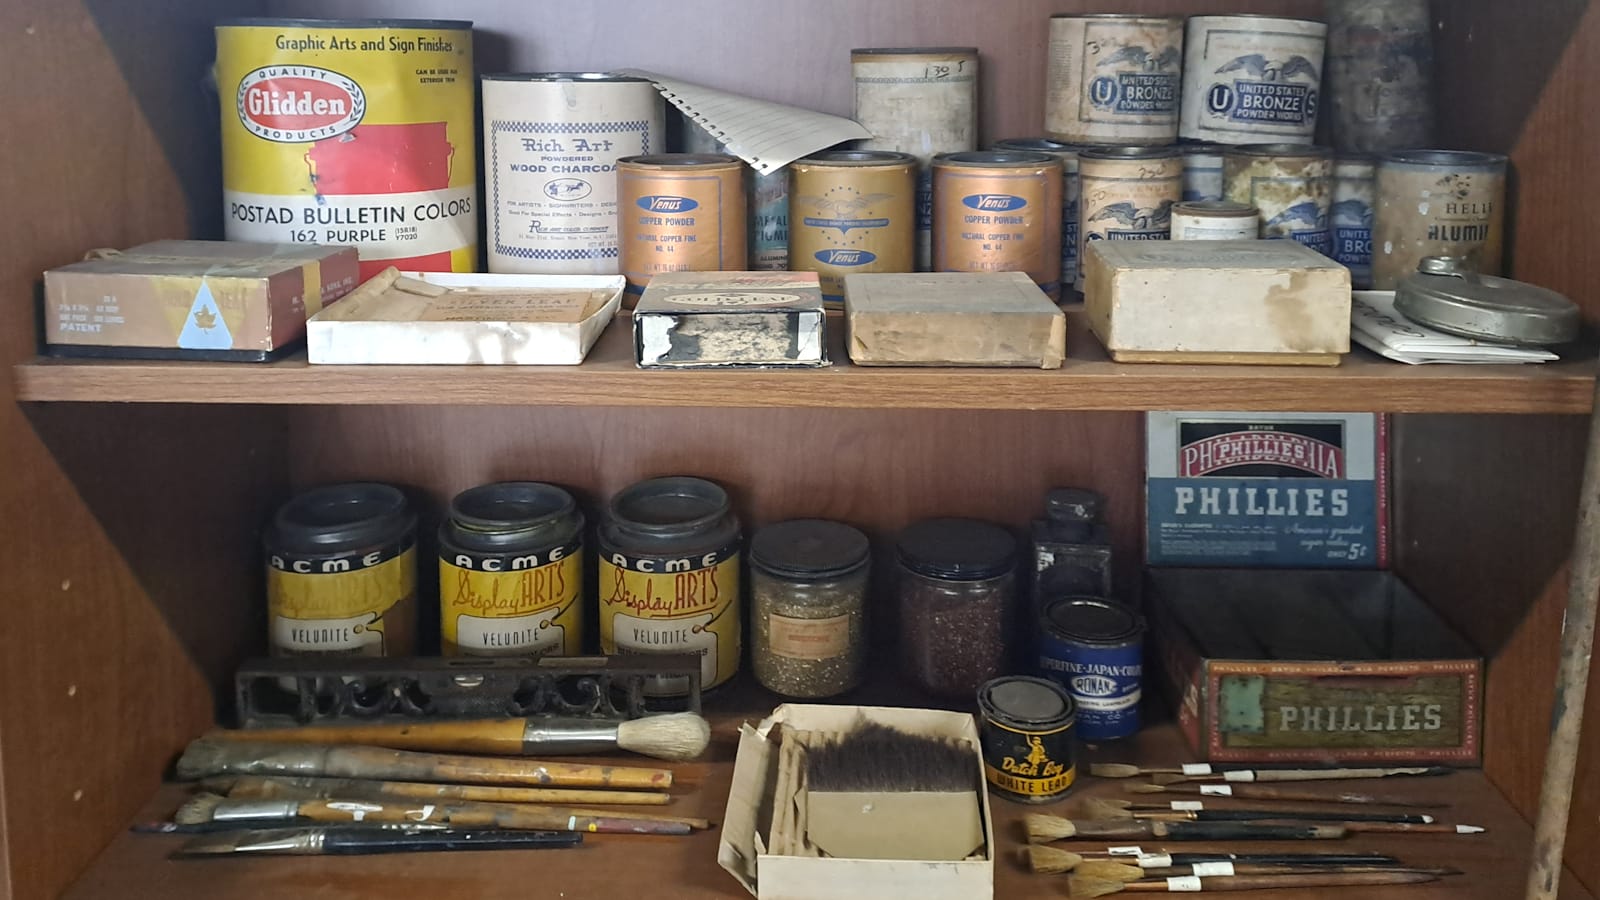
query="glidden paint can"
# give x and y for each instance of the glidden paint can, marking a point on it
(1095, 649)
(1215, 220)
(1068, 154)
(922, 101)
(1128, 194)
(767, 214)
(1202, 171)
(1248, 79)
(551, 143)
(352, 132)
(1380, 74)
(998, 211)
(1437, 203)
(1113, 78)
(1354, 193)
(1025, 728)
(855, 211)
(1292, 186)
(680, 212)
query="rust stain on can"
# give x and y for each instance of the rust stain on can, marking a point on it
(998, 211)
(1114, 78)
(1292, 186)
(1127, 194)
(1437, 203)
(852, 211)
(680, 212)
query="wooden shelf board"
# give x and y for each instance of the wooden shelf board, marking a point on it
(1088, 381)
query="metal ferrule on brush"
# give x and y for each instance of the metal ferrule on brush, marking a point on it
(562, 736)
(235, 810)
(309, 840)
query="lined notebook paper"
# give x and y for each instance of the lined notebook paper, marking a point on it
(766, 135)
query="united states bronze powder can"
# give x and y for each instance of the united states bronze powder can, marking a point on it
(1114, 78)
(998, 211)
(1291, 185)
(1127, 195)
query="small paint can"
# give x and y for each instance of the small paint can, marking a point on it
(854, 211)
(1437, 203)
(1215, 220)
(680, 212)
(511, 572)
(551, 142)
(767, 210)
(1354, 193)
(342, 573)
(352, 131)
(1202, 171)
(1292, 186)
(1094, 648)
(1127, 194)
(922, 101)
(1380, 75)
(1025, 727)
(1250, 79)
(998, 211)
(1114, 78)
(1068, 154)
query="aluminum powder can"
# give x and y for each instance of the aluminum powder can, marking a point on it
(352, 131)
(1202, 171)
(1094, 648)
(1380, 75)
(551, 144)
(922, 101)
(1068, 154)
(1127, 194)
(680, 212)
(1437, 203)
(854, 211)
(767, 213)
(1026, 731)
(1251, 79)
(998, 211)
(1114, 78)
(1292, 186)
(1354, 194)
(1215, 220)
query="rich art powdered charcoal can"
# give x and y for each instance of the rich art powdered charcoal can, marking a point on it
(669, 577)
(1380, 75)
(1202, 171)
(551, 144)
(680, 212)
(1292, 186)
(1114, 78)
(511, 572)
(1354, 193)
(922, 101)
(1215, 220)
(1437, 203)
(1094, 648)
(1025, 727)
(342, 573)
(767, 196)
(1251, 79)
(853, 211)
(1128, 194)
(356, 132)
(1068, 154)
(998, 211)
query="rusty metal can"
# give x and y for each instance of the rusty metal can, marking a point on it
(1292, 186)
(922, 101)
(1202, 171)
(1251, 78)
(998, 211)
(1128, 194)
(1114, 78)
(767, 212)
(1068, 154)
(854, 211)
(1437, 203)
(1380, 75)
(1354, 192)
(680, 212)
(1215, 220)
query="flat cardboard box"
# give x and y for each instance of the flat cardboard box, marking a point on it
(742, 851)
(443, 318)
(952, 319)
(211, 300)
(699, 320)
(1254, 302)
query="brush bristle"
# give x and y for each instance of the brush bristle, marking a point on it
(1109, 870)
(1147, 789)
(1042, 828)
(1113, 770)
(676, 736)
(197, 809)
(1049, 860)
(874, 757)
(1081, 888)
(1105, 808)
(203, 758)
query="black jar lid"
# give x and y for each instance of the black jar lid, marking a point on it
(1073, 505)
(1025, 701)
(809, 549)
(511, 506)
(957, 549)
(341, 517)
(1092, 620)
(670, 506)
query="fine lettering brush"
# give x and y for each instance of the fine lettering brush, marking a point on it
(1275, 793)
(243, 787)
(211, 808)
(1105, 810)
(1252, 775)
(351, 842)
(206, 757)
(159, 827)
(1160, 858)
(1044, 828)
(1046, 860)
(1111, 870)
(1194, 810)
(674, 736)
(1080, 888)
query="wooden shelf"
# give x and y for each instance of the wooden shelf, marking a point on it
(1089, 381)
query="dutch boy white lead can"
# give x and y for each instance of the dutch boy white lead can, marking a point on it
(1251, 79)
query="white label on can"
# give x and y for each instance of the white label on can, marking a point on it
(380, 226)
(1247, 79)
(1214, 228)
(536, 633)
(1212, 869)
(632, 634)
(349, 635)
(1184, 884)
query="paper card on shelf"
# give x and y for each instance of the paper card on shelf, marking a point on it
(766, 135)
(1376, 325)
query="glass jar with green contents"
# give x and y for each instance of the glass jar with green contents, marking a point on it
(808, 590)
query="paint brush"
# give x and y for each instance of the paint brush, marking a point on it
(205, 757)
(211, 808)
(1043, 828)
(1112, 870)
(1080, 888)
(1254, 775)
(159, 827)
(1128, 770)
(1162, 859)
(673, 736)
(246, 787)
(1275, 793)
(358, 841)
(1195, 810)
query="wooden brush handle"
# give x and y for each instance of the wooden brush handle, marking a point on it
(1245, 868)
(256, 786)
(1243, 831)
(1301, 795)
(1288, 882)
(509, 816)
(1403, 827)
(501, 737)
(1334, 774)
(404, 765)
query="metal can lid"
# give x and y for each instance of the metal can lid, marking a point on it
(1092, 620)
(681, 160)
(957, 549)
(1073, 504)
(1445, 295)
(996, 159)
(1458, 159)
(856, 158)
(1026, 701)
(670, 506)
(428, 24)
(507, 507)
(1215, 209)
(809, 549)
(1036, 145)
(1127, 17)
(564, 77)
(914, 51)
(1135, 153)
(1289, 151)
(341, 517)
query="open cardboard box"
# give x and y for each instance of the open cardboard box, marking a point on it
(773, 877)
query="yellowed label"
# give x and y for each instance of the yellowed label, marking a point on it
(809, 638)
(689, 605)
(349, 605)
(1035, 773)
(512, 605)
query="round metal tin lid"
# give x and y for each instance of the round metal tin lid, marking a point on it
(957, 549)
(1092, 620)
(341, 516)
(1025, 700)
(1443, 295)
(1289, 151)
(669, 506)
(681, 160)
(1451, 158)
(1136, 17)
(580, 77)
(1215, 209)
(987, 159)
(809, 549)
(509, 506)
(1036, 145)
(856, 158)
(1199, 147)
(914, 51)
(1130, 153)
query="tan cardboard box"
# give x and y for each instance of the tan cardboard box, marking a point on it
(952, 319)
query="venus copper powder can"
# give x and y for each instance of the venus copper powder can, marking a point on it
(853, 211)
(1026, 728)
(1250, 79)
(998, 211)
(1437, 203)
(1094, 648)
(1354, 193)
(1202, 171)
(511, 572)
(1215, 220)
(1114, 78)
(1292, 186)
(1127, 194)
(1068, 154)
(680, 212)
(352, 131)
